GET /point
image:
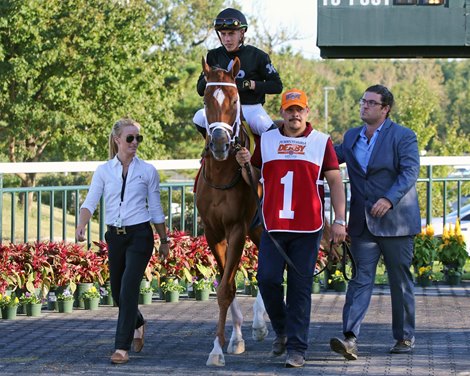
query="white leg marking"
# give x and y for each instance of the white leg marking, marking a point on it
(236, 344)
(259, 329)
(216, 356)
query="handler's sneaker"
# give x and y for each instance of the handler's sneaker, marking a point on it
(295, 360)
(279, 346)
(346, 347)
(404, 346)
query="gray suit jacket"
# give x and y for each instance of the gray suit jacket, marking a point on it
(392, 173)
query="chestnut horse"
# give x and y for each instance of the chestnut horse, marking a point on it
(226, 204)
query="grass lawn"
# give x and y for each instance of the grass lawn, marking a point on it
(32, 224)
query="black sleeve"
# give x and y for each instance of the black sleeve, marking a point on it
(201, 84)
(272, 83)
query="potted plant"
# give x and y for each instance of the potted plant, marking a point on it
(171, 289)
(145, 295)
(91, 298)
(452, 253)
(32, 304)
(338, 281)
(316, 286)
(425, 248)
(65, 301)
(9, 306)
(105, 294)
(425, 276)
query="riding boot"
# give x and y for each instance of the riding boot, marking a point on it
(201, 130)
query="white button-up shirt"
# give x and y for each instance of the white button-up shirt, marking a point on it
(141, 199)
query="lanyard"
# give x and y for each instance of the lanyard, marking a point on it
(123, 188)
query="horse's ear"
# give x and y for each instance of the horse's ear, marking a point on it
(205, 67)
(235, 67)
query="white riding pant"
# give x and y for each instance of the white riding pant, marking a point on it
(255, 115)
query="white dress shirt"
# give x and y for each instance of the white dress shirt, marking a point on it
(141, 199)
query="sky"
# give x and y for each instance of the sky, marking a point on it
(300, 16)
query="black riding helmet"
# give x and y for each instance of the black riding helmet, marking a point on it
(230, 19)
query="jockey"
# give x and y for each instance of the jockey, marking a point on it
(256, 77)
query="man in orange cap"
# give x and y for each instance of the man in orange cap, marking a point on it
(291, 162)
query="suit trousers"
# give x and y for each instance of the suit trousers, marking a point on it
(128, 256)
(397, 253)
(290, 317)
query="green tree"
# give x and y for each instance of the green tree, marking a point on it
(70, 68)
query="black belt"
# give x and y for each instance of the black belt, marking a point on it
(128, 229)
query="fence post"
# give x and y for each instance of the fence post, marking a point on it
(429, 196)
(1, 208)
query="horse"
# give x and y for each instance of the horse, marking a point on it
(226, 204)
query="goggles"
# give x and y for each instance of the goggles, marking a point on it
(227, 23)
(139, 138)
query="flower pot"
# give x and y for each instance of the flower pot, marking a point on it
(51, 301)
(202, 294)
(144, 283)
(316, 288)
(9, 313)
(108, 300)
(453, 280)
(340, 286)
(190, 290)
(146, 297)
(65, 306)
(81, 288)
(33, 309)
(247, 289)
(254, 290)
(172, 296)
(91, 303)
(424, 281)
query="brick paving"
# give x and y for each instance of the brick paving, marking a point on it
(179, 337)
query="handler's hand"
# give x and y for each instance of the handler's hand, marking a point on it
(243, 156)
(338, 233)
(381, 207)
(164, 250)
(80, 234)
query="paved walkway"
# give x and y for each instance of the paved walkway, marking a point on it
(180, 335)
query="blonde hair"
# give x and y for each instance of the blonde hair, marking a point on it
(117, 131)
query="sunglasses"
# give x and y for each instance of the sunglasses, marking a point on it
(224, 23)
(139, 138)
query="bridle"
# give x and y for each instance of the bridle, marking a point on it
(227, 128)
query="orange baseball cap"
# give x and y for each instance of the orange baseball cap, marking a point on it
(294, 97)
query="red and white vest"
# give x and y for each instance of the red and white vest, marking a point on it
(290, 178)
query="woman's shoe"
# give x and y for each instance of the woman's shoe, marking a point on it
(120, 357)
(139, 342)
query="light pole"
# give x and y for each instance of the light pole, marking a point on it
(326, 89)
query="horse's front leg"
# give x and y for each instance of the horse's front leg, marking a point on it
(259, 330)
(236, 344)
(216, 356)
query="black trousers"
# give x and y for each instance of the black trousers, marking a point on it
(128, 256)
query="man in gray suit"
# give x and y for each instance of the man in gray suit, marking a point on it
(383, 165)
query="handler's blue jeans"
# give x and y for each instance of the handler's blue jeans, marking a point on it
(290, 318)
(128, 257)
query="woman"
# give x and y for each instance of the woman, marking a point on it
(132, 200)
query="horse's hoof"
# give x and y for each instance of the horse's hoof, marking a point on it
(236, 347)
(215, 360)
(259, 334)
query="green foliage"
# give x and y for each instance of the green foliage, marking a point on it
(71, 68)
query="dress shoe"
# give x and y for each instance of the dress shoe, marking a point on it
(119, 358)
(295, 360)
(346, 347)
(139, 342)
(279, 346)
(404, 346)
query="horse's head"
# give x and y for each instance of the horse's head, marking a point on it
(222, 106)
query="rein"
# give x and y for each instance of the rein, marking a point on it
(232, 184)
(276, 243)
